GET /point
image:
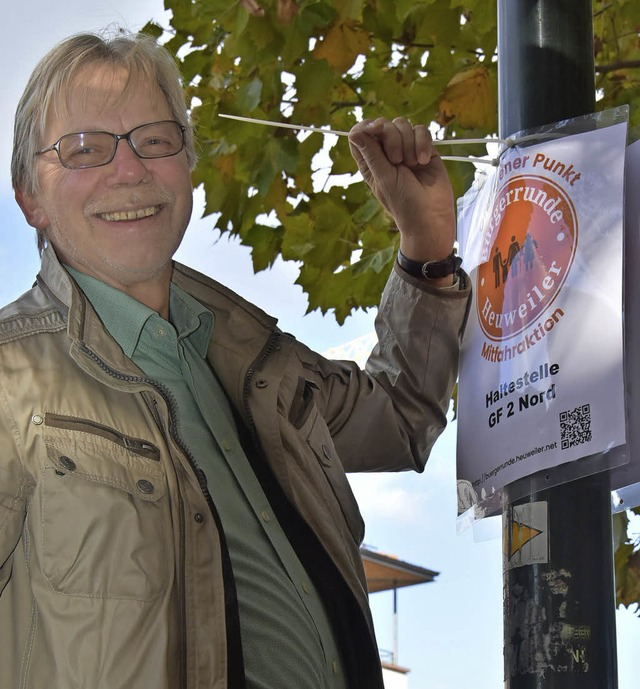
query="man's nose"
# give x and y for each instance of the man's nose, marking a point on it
(126, 164)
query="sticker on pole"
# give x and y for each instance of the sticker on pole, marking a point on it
(541, 370)
(526, 534)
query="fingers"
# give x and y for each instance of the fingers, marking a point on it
(401, 142)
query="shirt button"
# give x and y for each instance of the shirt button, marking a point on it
(305, 587)
(266, 517)
(226, 444)
(145, 486)
(334, 667)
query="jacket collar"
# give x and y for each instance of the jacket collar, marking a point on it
(241, 328)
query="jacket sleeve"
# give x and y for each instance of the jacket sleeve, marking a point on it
(388, 417)
(13, 491)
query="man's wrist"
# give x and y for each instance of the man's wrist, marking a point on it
(430, 270)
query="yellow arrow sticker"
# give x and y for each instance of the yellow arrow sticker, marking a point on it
(521, 534)
(526, 535)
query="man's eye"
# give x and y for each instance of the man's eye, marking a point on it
(155, 141)
(85, 152)
(155, 146)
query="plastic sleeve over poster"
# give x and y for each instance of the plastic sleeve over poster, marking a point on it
(541, 374)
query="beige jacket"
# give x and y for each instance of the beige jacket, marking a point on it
(111, 563)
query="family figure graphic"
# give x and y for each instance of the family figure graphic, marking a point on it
(503, 268)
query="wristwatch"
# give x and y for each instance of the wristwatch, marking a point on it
(431, 269)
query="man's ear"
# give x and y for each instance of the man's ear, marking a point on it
(33, 212)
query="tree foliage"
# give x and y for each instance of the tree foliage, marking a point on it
(627, 561)
(332, 62)
(324, 62)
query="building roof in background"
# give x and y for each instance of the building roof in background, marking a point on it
(386, 572)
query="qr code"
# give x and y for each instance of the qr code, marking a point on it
(575, 426)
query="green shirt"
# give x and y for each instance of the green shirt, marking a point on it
(287, 639)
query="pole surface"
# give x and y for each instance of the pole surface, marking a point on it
(559, 616)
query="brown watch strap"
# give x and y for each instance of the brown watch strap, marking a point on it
(430, 269)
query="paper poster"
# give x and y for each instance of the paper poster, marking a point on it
(626, 479)
(541, 375)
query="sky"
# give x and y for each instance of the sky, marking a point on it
(450, 631)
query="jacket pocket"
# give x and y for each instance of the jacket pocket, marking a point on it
(321, 443)
(104, 518)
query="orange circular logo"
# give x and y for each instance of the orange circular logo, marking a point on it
(533, 234)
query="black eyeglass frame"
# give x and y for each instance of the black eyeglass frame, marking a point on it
(116, 140)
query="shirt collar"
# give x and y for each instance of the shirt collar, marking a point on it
(191, 319)
(125, 318)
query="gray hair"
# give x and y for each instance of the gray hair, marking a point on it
(139, 54)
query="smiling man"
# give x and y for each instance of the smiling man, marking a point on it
(174, 510)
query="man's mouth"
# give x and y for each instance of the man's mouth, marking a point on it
(124, 216)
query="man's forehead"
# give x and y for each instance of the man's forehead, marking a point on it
(99, 86)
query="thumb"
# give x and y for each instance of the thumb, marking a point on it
(369, 155)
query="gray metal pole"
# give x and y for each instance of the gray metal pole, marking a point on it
(559, 617)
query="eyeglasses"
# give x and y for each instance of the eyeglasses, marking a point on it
(93, 149)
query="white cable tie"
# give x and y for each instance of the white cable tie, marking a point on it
(324, 130)
(446, 142)
(285, 125)
(514, 141)
(469, 159)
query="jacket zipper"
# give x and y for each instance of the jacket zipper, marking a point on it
(255, 366)
(70, 423)
(169, 398)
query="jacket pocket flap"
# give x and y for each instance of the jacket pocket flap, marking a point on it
(119, 468)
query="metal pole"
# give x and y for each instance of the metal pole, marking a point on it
(559, 616)
(395, 625)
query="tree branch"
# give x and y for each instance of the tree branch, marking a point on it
(603, 10)
(614, 66)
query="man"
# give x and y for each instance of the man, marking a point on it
(174, 511)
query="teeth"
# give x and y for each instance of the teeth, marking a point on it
(130, 215)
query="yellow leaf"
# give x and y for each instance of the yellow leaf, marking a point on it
(227, 166)
(469, 98)
(342, 45)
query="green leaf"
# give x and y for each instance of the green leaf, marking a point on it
(265, 243)
(376, 261)
(314, 80)
(152, 29)
(482, 15)
(351, 9)
(342, 159)
(248, 97)
(298, 237)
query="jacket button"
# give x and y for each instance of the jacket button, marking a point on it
(37, 419)
(199, 517)
(262, 383)
(67, 463)
(145, 486)
(327, 454)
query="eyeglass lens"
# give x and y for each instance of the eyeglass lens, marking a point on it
(90, 149)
